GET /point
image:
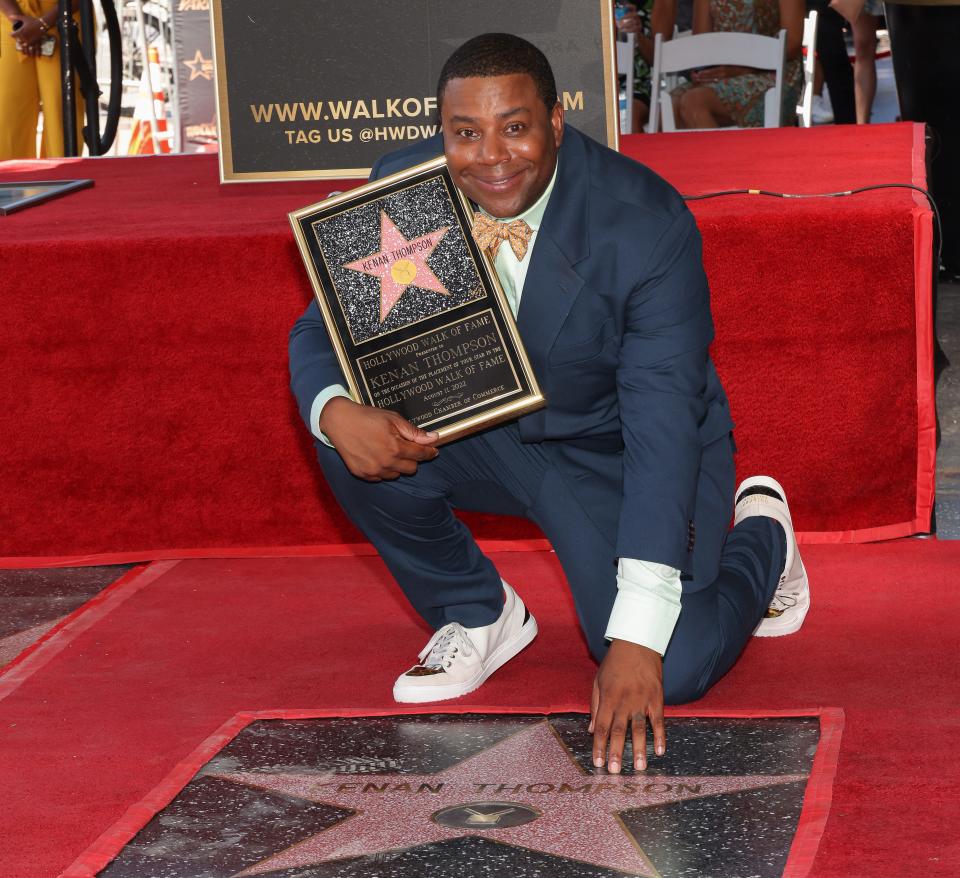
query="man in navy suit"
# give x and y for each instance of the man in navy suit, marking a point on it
(629, 468)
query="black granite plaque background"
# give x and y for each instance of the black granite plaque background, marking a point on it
(217, 828)
(417, 210)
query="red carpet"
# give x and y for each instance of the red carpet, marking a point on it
(99, 714)
(144, 328)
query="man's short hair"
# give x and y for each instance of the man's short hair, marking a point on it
(500, 55)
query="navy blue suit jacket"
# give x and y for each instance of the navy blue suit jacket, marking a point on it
(615, 317)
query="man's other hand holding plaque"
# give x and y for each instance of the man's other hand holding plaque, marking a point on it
(375, 443)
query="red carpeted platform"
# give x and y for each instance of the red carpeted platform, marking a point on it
(145, 410)
(101, 712)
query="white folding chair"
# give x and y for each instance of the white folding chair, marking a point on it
(669, 81)
(805, 107)
(709, 50)
(625, 49)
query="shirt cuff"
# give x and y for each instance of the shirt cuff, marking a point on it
(647, 605)
(323, 397)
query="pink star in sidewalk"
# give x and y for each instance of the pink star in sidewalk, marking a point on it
(401, 263)
(563, 810)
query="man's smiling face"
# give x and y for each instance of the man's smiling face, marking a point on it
(500, 140)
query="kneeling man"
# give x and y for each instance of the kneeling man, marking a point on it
(628, 470)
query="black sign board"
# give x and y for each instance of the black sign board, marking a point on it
(308, 90)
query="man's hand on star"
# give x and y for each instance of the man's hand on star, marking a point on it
(375, 444)
(627, 691)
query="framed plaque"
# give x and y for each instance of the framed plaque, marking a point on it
(414, 310)
(18, 196)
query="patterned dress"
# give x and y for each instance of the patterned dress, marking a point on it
(743, 96)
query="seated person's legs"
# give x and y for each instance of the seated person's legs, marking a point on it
(701, 107)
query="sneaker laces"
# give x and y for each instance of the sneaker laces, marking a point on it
(447, 643)
(783, 601)
(787, 594)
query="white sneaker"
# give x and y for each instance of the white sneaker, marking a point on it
(791, 600)
(457, 659)
(821, 113)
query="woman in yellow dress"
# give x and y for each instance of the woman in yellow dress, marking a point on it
(30, 79)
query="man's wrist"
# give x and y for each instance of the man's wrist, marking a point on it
(319, 404)
(629, 647)
(330, 410)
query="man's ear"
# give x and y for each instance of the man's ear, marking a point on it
(556, 123)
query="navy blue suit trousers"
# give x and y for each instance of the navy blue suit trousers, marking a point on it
(446, 577)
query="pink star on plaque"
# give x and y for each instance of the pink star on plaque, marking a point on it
(526, 791)
(401, 263)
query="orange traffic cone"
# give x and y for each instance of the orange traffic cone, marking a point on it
(141, 141)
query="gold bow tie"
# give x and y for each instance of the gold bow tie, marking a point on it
(489, 233)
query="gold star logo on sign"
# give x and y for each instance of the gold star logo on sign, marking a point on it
(200, 66)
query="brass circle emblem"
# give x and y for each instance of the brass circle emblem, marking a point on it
(403, 271)
(485, 815)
